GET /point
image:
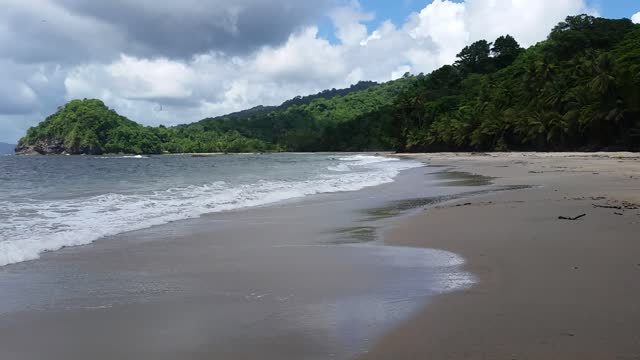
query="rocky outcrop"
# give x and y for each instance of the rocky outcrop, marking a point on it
(42, 147)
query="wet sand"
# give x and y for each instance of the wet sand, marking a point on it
(547, 288)
(299, 280)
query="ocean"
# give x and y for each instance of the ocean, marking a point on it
(51, 202)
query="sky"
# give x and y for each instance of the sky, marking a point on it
(171, 62)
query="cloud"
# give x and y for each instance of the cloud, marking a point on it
(182, 28)
(205, 58)
(636, 18)
(38, 31)
(135, 79)
(528, 21)
(16, 97)
(304, 57)
(444, 23)
(81, 29)
(26, 91)
(348, 21)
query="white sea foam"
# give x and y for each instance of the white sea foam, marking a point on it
(359, 161)
(125, 157)
(33, 227)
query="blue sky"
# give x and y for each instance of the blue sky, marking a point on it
(616, 8)
(398, 10)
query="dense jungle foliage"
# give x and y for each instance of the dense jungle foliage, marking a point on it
(578, 90)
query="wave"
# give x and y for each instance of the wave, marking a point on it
(33, 227)
(358, 161)
(125, 157)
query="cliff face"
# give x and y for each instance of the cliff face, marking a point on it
(42, 147)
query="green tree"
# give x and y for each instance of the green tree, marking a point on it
(505, 50)
(475, 57)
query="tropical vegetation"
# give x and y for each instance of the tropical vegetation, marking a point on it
(577, 90)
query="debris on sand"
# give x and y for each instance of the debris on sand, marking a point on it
(608, 206)
(465, 204)
(572, 218)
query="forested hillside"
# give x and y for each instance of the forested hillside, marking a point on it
(305, 125)
(89, 127)
(578, 90)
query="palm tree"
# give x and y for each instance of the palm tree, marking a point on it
(603, 82)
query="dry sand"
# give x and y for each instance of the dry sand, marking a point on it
(547, 288)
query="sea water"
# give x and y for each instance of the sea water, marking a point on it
(51, 202)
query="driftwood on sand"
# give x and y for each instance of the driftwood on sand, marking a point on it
(572, 218)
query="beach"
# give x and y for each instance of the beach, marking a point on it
(303, 278)
(547, 288)
(463, 258)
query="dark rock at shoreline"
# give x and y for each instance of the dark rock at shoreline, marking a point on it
(43, 147)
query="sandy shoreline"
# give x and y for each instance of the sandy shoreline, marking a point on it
(548, 288)
(294, 280)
